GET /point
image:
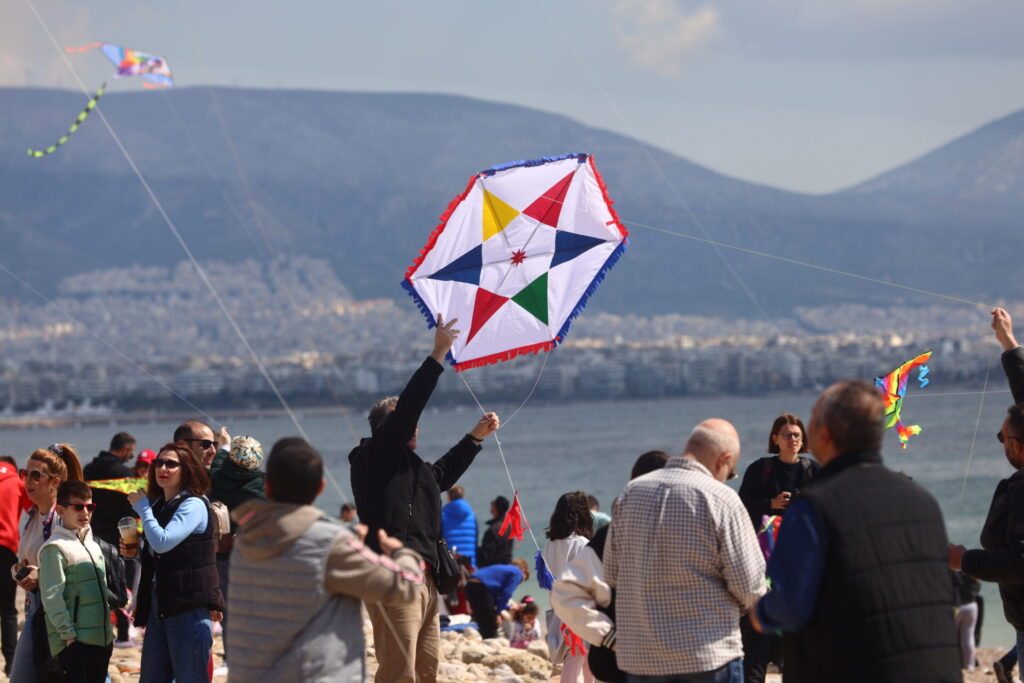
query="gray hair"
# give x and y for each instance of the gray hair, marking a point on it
(854, 414)
(709, 443)
(379, 412)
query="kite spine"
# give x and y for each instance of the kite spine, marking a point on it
(74, 126)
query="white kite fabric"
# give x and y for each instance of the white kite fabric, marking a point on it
(517, 256)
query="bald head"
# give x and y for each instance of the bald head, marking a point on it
(715, 443)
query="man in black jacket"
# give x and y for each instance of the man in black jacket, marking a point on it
(494, 548)
(398, 492)
(1001, 557)
(110, 464)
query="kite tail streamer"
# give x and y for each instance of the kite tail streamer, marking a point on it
(84, 48)
(544, 577)
(74, 126)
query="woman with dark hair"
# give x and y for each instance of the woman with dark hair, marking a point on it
(571, 528)
(180, 590)
(769, 486)
(45, 471)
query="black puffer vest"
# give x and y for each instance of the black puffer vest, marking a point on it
(186, 576)
(885, 605)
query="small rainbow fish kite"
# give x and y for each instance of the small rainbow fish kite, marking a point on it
(155, 71)
(894, 386)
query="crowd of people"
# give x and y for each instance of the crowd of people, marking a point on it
(826, 562)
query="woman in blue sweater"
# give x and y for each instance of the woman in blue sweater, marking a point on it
(180, 590)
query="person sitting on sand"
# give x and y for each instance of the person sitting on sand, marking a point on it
(297, 577)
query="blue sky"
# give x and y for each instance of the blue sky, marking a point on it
(808, 95)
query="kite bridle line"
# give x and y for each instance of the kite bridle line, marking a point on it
(974, 436)
(181, 241)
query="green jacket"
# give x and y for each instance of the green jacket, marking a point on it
(73, 586)
(233, 485)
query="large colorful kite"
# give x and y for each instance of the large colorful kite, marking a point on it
(155, 70)
(517, 256)
(894, 387)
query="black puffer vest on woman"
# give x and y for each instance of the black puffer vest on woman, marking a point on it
(885, 605)
(186, 576)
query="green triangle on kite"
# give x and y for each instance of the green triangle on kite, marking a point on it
(533, 298)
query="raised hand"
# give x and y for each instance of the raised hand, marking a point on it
(1002, 323)
(444, 336)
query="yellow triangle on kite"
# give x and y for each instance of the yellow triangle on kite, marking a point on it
(497, 215)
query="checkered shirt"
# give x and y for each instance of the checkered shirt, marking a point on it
(686, 565)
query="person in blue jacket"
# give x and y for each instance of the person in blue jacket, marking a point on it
(458, 525)
(489, 590)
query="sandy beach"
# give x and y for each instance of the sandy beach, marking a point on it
(465, 658)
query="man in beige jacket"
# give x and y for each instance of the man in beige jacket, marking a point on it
(297, 578)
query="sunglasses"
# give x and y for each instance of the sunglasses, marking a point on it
(205, 443)
(78, 507)
(164, 462)
(1002, 439)
(32, 475)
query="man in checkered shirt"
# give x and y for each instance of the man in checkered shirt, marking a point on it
(686, 565)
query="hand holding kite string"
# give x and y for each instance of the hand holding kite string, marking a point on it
(1002, 323)
(488, 424)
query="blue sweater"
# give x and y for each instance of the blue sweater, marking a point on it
(458, 527)
(501, 581)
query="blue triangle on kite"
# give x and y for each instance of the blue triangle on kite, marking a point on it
(466, 268)
(569, 245)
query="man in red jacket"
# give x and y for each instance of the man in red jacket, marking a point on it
(13, 499)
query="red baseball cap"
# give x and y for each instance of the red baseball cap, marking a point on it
(146, 456)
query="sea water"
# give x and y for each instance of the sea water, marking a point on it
(552, 448)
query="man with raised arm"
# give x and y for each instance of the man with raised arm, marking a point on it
(398, 492)
(1001, 556)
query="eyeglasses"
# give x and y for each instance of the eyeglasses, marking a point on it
(732, 475)
(1002, 438)
(78, 507)
(164, 462)
(32, 475)
(791, 435)
(204, 443)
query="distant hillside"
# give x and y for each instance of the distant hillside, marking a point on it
(984, 165)
(360, 179)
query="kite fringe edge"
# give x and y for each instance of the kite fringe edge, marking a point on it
(442, 224)
(591, 288)
(540, 161)
(494, 358)
(607, 200)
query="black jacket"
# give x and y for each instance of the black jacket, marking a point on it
(106, 465)
(394, 489)
(761, 484)
(494, 548)
(884, 608)
(1002, 537)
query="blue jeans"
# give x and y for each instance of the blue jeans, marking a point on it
(23, 670)
(730, 673)
(177, 648)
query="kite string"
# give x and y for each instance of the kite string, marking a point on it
(181, 241)
(501, 452)
(974, 436)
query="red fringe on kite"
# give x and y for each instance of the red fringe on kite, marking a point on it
(513, 520)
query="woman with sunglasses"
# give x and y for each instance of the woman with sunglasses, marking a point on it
(180, 591)
(45, 471)
(769, 486)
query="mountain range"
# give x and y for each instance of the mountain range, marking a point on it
(360, 179)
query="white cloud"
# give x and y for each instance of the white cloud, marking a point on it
(661, 35)
(27, 57)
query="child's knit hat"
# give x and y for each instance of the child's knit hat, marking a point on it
(246, 452)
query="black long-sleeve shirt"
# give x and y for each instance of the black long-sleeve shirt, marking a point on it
(394, 489)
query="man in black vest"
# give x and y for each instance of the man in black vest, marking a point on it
(1001, 556)
(859, 578)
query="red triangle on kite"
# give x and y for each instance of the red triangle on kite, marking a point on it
(548, 206)
(487, 304)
